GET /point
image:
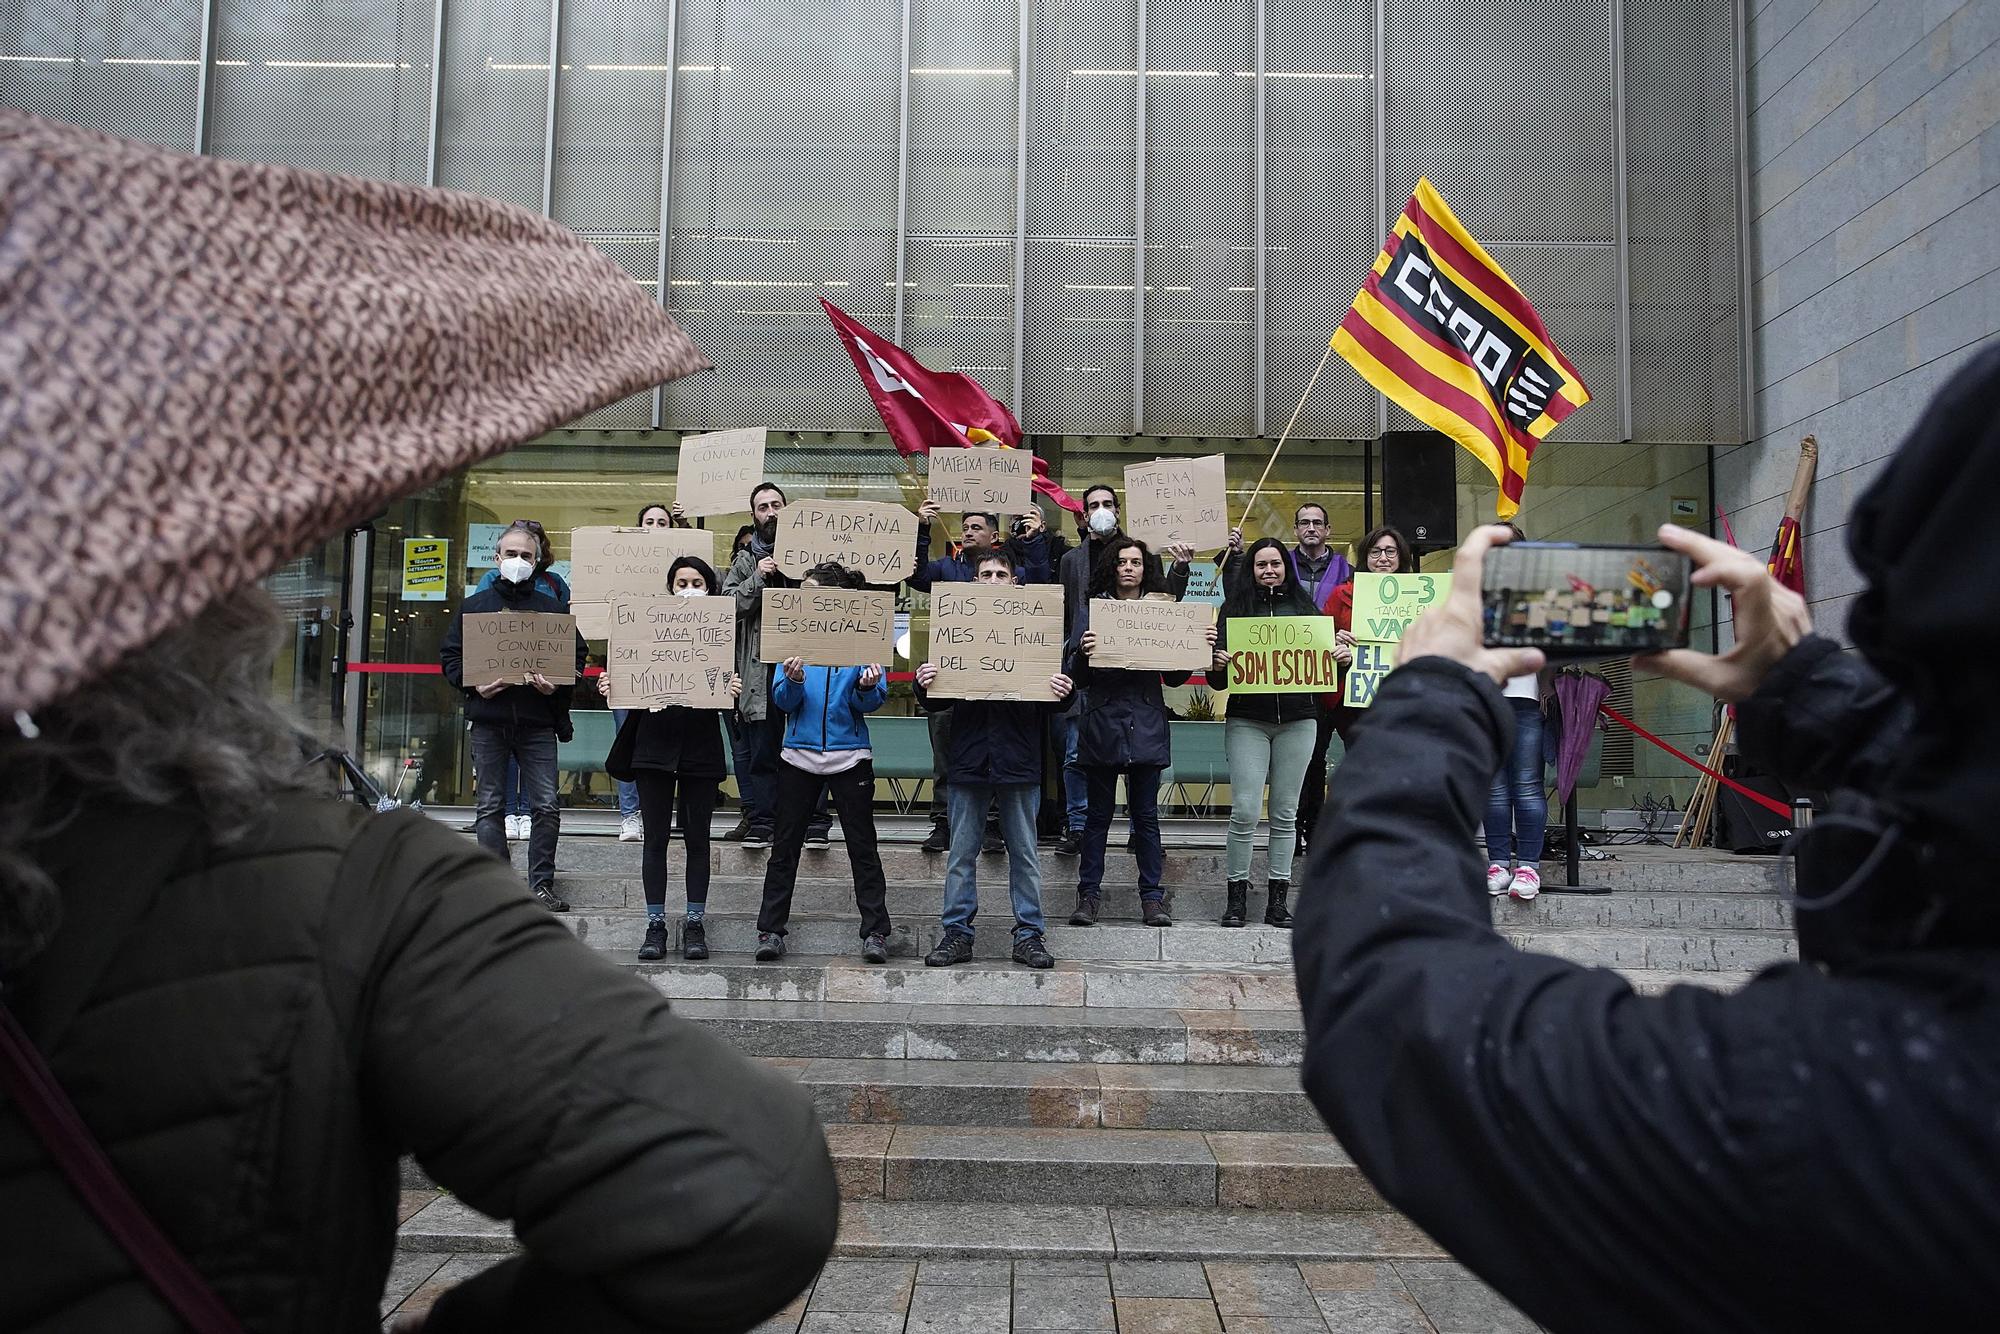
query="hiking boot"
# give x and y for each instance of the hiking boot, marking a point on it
(820, 836)
(757, 836)
(546, 896)
(1153, 912)
(1239, 903)
(1070, 844)
(956, 947)
(770, 947)
(875, 949)
(1086, 911)
(656, 942)
(742, 827)
(939, 839)
(1275, 913)
(694, 940)
(1029, 950)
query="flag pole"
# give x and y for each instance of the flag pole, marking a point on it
(1258, 489)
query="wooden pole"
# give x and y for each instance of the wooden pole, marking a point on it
(1269, 463)
(1802, 478)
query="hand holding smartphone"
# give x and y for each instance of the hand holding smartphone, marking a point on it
(1574, 600)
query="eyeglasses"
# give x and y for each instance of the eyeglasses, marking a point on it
(1386, 551)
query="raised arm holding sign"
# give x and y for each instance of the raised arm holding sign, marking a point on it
(877, 539)
(610, 565)
(717, 470)
(996, 481)
(1384, 606)
(829, 627)
(1171, 501)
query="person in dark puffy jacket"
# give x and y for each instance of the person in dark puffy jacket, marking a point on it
(1268, 738)
(1121, 732)
(995, 760)
(673, 757)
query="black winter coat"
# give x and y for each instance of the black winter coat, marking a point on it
(1121, 715)
(1262, 708)
(1814, 1152)
(997, 741)
(255, 1035)
(517, 706)
(672, 740)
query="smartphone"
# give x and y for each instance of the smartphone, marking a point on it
(1574, 600)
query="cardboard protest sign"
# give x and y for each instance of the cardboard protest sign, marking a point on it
(1385, 604)
(999, 481)
(1282, 655)
(829, 627)
(610, 565)
(1372, 662)
(878, 539)
(1178, 500)
(672, 650)
(424, 560)
(996, 641)
(717, 471)
(1151, 634)
(508, 646)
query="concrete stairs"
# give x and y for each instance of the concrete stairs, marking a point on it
(1136, 1102)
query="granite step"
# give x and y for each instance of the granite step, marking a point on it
(1055, 1095)
(973, 1230)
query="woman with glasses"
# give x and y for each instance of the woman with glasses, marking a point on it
(1384, 551)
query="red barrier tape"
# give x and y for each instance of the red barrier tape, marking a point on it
(1770, 804)
(397, 668)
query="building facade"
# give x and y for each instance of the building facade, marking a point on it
(1136, 221)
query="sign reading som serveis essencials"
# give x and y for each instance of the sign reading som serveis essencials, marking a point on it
(829, 627)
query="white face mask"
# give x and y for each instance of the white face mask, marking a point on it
(1103, 521)
(516, 570)
(690, 592)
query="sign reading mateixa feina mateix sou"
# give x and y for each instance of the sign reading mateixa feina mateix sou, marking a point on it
(1281, 655)
(1384, 606)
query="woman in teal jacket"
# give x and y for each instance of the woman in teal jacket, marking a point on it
(826, 745)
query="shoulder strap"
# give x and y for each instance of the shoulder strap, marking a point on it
(31, 1086)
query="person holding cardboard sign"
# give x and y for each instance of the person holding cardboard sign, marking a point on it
(669, 752)
(546, 581)
(826, 750)
(1121, 731)
(515, 720)
(1268, 737)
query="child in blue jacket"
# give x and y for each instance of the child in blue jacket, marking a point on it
(826, 744)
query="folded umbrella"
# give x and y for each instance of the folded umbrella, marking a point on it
(1578, 694)
(208, 366)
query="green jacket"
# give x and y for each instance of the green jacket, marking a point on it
(256, 1036)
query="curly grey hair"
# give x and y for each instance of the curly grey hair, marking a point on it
(189, 719)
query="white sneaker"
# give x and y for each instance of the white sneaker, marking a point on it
(1497, 877)
(632, 829)
(1527, 883)
(518, 826)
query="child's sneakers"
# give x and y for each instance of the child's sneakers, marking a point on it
(1527, 883)
(1497, 877)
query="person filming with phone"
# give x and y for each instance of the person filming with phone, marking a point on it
(1816, 1151)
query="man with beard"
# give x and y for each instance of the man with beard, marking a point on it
(1100, 528)
(749, 575)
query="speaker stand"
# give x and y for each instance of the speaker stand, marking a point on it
(1571, 856)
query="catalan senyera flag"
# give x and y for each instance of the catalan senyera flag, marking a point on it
(1788, 558)
(1442, 330)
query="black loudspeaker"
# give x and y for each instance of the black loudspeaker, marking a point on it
(1420, 487)
(1741, 825)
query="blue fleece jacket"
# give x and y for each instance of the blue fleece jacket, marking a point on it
(828, 710)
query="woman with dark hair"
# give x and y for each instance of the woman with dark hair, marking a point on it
(1268, 738)
(1517, 805)
(1383, 551)
(669, 751)
(1122, 730)
(631, 820)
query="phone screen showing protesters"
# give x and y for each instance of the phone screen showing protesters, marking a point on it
(1577, 601)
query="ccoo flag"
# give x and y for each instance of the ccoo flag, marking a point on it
(1442, 331)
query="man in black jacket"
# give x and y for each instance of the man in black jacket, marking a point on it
(519, 719)
(1820, 1150)
(995, 760)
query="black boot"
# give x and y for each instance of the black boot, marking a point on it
(1274, 904)
(1086, 911)
(1239, 903)
(1153, 912)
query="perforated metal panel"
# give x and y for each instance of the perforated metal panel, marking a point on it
(1077, 360)
(128, 67)
(338, 88)
(493, 99)
(959, 307)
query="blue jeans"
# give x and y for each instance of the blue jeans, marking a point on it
(970, 803)
(1076, 788)
(628, 793)
(1142, 796)
(1517, 806)
(497, 748)
(765, 742)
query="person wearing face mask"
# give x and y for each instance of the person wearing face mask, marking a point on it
(548, 581)
(1098, 528)
(517, 720)
(1268, 738)
(1122, 732)
(750, 573)
(669, 753)
(631, 823)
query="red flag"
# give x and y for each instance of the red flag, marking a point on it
(926, 409)
(1788, 558)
